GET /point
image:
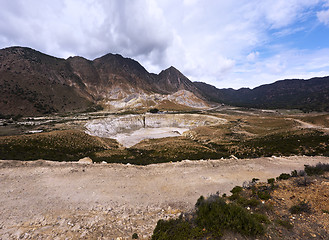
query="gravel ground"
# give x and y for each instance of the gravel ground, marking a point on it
(53, 200)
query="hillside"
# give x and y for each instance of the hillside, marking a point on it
(33, 83)
(307, 95)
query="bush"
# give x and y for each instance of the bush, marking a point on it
(270, 181)
(236, 190)
(319, 169)
(264, 195)
(283, 176)
(305, 181)
(175, 229)
(212, 218)
(135, 236)
(294, 173)
(301, 207)
(215, 215)
(284, 223)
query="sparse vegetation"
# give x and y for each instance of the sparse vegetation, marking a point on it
(58, 146)
(213, 216)
(284, 223)
(284, 176)
(304, 181)
(301, 207)
(241, 136)
(319, 169)
(270, 181)
(241, 213)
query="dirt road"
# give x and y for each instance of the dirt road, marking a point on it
(51, 200)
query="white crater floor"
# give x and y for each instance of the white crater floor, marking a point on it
(130, 139)
(131, 129)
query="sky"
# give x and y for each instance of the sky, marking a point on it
(226, 43)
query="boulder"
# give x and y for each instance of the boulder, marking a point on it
(86, 160)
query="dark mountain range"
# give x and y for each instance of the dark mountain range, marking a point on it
(307, 95)
(33, 83)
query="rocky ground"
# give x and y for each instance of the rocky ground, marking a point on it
(61, 200)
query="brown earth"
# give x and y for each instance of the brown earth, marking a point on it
(53, 200)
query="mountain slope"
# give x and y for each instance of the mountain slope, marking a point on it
(33, 83)
(307, 95)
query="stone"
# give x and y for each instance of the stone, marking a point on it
(86, 160)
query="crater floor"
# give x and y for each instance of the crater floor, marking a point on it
(131, 129)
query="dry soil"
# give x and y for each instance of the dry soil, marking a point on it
(53, 200)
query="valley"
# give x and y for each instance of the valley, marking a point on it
(103, 149)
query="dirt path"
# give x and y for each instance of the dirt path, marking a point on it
(51, 200)
(310, 125)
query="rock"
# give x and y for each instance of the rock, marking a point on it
(86, 160)
(234, 157)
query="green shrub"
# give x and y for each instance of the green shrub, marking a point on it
(254, 180)
(294, 173)
(283, 176)
(212, 218)
(135, 236)
(245, 202)
(176, 229)
(301, 207)
(236, 190)
(264, 195)
(215, 215)
(318, 169)
(270, 181)
(284, 223)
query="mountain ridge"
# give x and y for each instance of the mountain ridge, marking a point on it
(34, 83)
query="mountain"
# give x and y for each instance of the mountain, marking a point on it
(307, 95)
(33, 83)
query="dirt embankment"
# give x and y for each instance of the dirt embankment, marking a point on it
(52, 200)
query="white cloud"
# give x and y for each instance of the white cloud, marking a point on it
(221, 42)
(88, 28)
(323, 17)
(287, 64)
(252, 56)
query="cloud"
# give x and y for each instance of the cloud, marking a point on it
(88, 28)
(287, 64)
(323, 17)
(222, 42)
(252, 56)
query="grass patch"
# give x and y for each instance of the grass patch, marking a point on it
(309, 143)
(57, 146)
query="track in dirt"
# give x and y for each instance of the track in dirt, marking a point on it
(52, 199)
